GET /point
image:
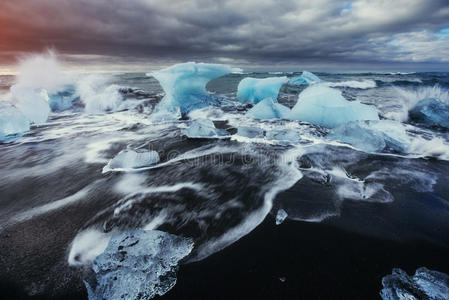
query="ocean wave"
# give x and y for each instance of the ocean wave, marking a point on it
(354, 84)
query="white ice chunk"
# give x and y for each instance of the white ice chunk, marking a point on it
(33, 103)
(12, 121)
(254, 90)
(130, 159)
(325, 106)
(203, 128)
(281, 216)
(268, 109)
(305, 78)
(138, 264)
(185, 85)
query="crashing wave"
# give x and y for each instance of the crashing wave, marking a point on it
(354, 84)
(305, 78)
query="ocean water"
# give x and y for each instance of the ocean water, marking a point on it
(352, 215)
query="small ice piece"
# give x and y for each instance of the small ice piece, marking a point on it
(61, 100)
(371, 136)
(185, 85)
(254, 90)
(130, 159)
(33, 103)
(202, 128)
(12, 121)
(281, 216)
(286, 135)
(325, 106)
(305, 78)
(424, 285)
(137, 264)
(250, 132)
(430, 112)
(268, 109)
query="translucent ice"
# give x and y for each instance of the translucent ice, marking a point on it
(286, 135)
(254, 90)
(281, 216)
(185, 85)
(305, 78)
(202, 128)
(325, 106)
(424, 285)
(130, 159)
(371, 136)
(250, 132)
(61, 100)
(33, 103)
(268, 109)
(138, 264)
(12, 121)
(431, 112)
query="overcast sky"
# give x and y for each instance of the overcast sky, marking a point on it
(271, 34)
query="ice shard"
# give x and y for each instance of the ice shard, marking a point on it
(254, 90)
(268, 109)
(431, 112)
(305, 78)
(203, 128)
(131, 159)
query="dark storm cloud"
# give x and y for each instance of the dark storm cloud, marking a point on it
(263, 32)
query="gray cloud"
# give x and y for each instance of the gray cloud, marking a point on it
(271, 32)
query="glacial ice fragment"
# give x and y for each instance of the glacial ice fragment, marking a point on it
(254, 90)
(268, 109)
(203, 128)
(431, 112)
(33, 103)
(305, 78)
(185, 85)
(137, 264)
(281, 216)
(61, 100)
(130, 159)
(424, 285)
(286, 135)
(250, 132)
(12, 121)
(325, 106)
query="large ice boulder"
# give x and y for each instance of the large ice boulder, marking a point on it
(372, 136)
(424, 285)
(431, 112)
(131, 159)
(185, 85)
(254, 90)
(33, 103)
(12, 121)
(305, 78)
(268, 109)
(138, 264)
(203, 128)
(325, 106)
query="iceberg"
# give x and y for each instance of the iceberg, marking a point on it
(185, 85)
(431, 112)
(325, 106)
(305, 78)
(281, 216)
(203, 128)
(33, 103)
(250, 132)
(424, 285)
(61, 100)
(12, 121)
(137, 264)
(286, 135)
(254, 90)
(268, 109)
(130, 159)
(371, 136)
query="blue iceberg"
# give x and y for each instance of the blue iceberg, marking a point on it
(305, 78)
(138, 264)
(424, 285)
(131, 159)
(325, 106)
(12, 121)
(33, 103)
(203, 128)
(185, 85)
(254, 90)
(430, 112)
(371, 136)
(62, 100)
(281, 216)
(268, 109)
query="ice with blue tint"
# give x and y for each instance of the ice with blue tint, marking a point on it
(131, 159)
(285, 135)
(203, 128)
(268, 109)
(254, 90)
(372, 136)
(250, 132)
(431, 112)
(33, 103)
(325, 106)
(424, 285)
(305, 78)
(12, 121)
(185, 85)
(137, 264)
(62, 100)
